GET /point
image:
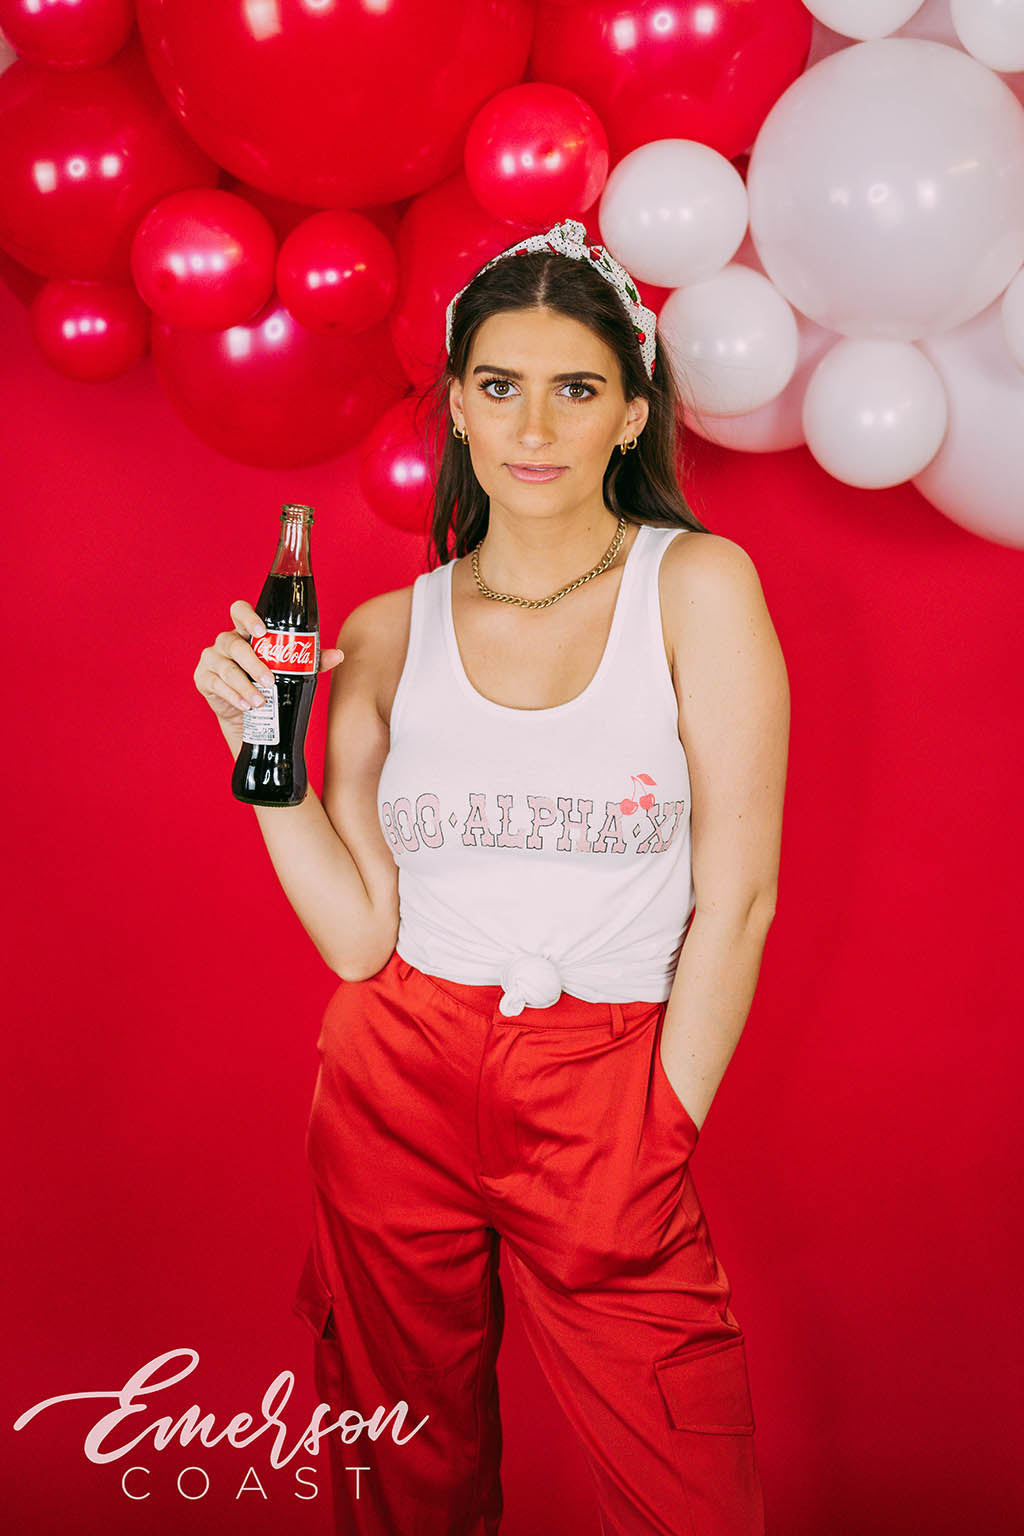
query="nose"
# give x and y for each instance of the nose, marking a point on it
(534, 427)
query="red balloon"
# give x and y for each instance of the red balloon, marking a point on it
(271, 393)
(284, 215)
(444, 237)
(534, 150)
(67, 34)
(86, 154)
(336, 271)
(394, 475)
(709, 70)
(204, 258)
(335, 105)
(89, 330)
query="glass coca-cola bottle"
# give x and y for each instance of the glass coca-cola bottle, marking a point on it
(271, 767)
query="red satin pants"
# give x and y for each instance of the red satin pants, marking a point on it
(441, 1127)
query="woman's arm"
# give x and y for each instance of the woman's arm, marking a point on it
(331, 857)
(733, 695)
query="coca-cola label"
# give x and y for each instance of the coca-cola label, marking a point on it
(289, 650)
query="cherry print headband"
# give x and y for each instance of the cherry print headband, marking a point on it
(569, 237)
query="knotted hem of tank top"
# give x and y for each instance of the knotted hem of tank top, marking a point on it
(533, 981)
(529, 981)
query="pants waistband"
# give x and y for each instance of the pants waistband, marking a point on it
(566, 1011)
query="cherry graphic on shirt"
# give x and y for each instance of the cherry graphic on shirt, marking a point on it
(627, 806)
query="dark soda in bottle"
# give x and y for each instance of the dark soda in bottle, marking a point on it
(271, 767)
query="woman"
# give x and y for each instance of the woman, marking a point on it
(503, 871)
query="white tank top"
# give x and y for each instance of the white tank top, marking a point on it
(542, 850)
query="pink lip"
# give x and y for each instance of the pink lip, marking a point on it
(523, 472)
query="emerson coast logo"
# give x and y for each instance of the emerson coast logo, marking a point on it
(131, 1431)
(637, 823)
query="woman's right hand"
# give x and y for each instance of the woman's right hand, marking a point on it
(229, 669)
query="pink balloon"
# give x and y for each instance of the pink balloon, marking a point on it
(204, 259)
(709, 70)
(394, 475)
(67, 34)
(86, 154)
(337, 105)
(444, 237)
(272, 393)
(533, 151)
(336, 271)
(89, 330)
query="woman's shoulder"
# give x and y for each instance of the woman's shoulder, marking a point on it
(709, 589)
(717, 620)
(379, 627)
(708, 560)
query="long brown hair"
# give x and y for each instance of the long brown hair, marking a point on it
(640, 485)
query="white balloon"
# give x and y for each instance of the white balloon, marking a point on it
(992, 30)
(874, 412)
(863, 18)
(886, 189)
(977, 475)
(932, 22)
(778, 425)
(673, 212)
(1013, 318)
(731, 341)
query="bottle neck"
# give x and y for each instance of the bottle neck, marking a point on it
(292, 558)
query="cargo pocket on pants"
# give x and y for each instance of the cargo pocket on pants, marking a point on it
(313, 1301)
(707, 1389)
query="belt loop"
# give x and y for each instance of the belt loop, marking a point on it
(618, 1022)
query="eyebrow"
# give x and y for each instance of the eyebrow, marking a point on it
(556, 378)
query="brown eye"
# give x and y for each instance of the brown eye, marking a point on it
(485, 385)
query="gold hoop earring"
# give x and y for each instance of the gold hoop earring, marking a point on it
(625, 447)
(460, 433)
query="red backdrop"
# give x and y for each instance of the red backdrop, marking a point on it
(859, 1168)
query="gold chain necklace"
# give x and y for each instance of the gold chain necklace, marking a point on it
(544, 602)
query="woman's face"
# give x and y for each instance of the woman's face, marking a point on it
(542, 388)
